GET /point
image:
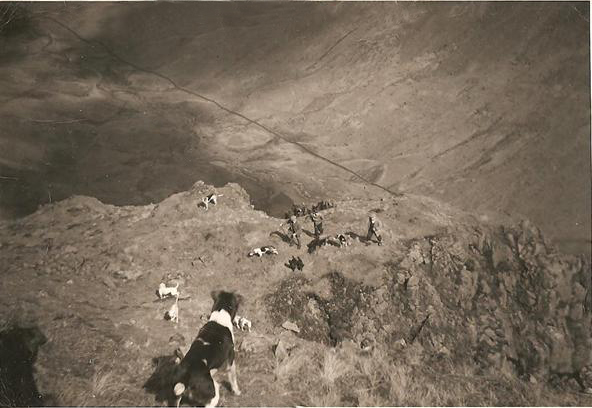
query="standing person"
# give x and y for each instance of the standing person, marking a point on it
(294, 228)
(374, 229)
(317, 221)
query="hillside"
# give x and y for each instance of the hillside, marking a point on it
(452, 310)
(485, 106)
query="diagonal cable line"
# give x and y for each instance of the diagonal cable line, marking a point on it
(256, 123)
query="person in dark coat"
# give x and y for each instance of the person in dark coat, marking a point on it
(294, 229)
(317, 221)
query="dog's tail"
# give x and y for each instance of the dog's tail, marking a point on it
(177, 285)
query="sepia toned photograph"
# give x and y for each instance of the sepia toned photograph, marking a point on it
(294, 203)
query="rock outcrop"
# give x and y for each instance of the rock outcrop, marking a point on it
(500, 296)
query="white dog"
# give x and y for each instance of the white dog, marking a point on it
(164, 290)
(242, 323)
(173, 313)
(269, 250)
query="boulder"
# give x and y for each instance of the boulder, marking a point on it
(256, 343)
(291, 326)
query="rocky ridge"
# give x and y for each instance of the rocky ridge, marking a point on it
(446, 286)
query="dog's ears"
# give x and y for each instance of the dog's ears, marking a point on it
(214, 294)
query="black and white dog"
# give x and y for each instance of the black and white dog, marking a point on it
(264, 250)
(213, 349)
(210, 199)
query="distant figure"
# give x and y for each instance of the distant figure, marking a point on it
(317, 221)
(374, 229)
(298, 210)
(323, 205)
(294, 228)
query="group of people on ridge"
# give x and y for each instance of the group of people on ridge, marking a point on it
(294, 228)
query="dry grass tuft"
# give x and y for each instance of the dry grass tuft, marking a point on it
(333, 367)
(105, 388)
(285, 369)
(5, 400)
(330, 397)
(104, 384)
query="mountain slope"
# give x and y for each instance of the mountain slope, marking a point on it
(452, 293)
(484, 105)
